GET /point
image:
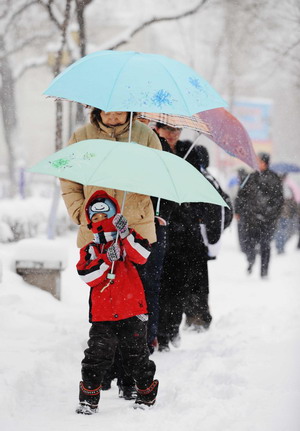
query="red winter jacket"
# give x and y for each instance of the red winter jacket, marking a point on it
(124, 297)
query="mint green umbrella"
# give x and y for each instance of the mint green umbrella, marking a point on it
(130, 167)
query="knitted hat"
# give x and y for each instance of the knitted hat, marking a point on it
(198, 157)
(264, 157)
(102, 205)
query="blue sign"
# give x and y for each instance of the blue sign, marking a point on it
(255, 117)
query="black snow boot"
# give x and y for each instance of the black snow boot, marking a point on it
(198, 315)
(88, 400)
(127, 392)
(127, 389)
(163, 344)
(146, 397)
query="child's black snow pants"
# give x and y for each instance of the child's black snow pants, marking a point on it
(131, 337)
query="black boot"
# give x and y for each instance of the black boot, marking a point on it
(127, 389)
(88, 399)
(163, 343)
(198, 315)
(146, 397)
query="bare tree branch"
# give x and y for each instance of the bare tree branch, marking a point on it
(49, 7)
(31, 64)
(4, 10)
(133, 31)
(18, 12)
(26, 42)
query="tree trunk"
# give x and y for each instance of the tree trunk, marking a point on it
(80, 6)
(8, 111)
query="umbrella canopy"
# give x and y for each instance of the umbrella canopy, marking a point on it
(229, 133)
(220, 126)
(178, 121)
(130, 167)
(285, 168)
(133, 81)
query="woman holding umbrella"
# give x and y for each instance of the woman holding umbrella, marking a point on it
(138, 208)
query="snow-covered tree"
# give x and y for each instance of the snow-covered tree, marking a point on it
(18, 33)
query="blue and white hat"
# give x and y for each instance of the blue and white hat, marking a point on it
(104, 206)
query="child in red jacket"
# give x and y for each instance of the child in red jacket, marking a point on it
(118, 310)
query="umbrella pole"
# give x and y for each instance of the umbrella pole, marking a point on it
(185, 156)
(191, 147)
(130, 126)
(111, 276)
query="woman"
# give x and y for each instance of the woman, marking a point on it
(138, 208)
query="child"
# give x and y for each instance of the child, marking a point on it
(117, 304)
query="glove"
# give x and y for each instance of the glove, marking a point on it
(121, 224)
(96, 238)
(113, 252)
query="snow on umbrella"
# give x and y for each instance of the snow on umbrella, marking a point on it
(218, 125)
(130, 167)
(133, 81)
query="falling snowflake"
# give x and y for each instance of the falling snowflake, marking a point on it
(161, 97)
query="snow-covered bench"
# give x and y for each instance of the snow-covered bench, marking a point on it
(40, 262)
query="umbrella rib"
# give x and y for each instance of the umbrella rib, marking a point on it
(117, 77)
(100, 163)
(170, 176)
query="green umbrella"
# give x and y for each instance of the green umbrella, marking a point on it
(130, 167)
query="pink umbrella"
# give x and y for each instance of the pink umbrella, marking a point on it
(218, 125)
(229, 133)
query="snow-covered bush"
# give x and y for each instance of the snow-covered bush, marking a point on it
(28, 218)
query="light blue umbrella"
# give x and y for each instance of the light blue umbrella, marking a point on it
(133, 81)
(130, 167)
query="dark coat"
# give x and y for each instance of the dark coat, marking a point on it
(163, 207)
(260, 199)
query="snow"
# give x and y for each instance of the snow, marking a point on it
(241, 375)
(36, 249)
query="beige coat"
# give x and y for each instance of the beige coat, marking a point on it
(138, 208)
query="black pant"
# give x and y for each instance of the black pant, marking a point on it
(185, 273)
(150, 274)
(130, 336)
(258, 234)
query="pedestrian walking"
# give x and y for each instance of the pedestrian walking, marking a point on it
(257, 207)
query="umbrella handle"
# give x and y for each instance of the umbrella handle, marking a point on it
(111, 275)
(157, 207)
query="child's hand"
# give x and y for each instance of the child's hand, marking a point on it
(113, 252)
(121, 224)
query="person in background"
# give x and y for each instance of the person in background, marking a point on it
(287, 221)
(241, 175)
(118, 309)
(162, 209)
(169, 137)
(194, 233)
(257, 208)
(211, 223)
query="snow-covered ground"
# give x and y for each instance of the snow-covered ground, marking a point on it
(241, 375)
